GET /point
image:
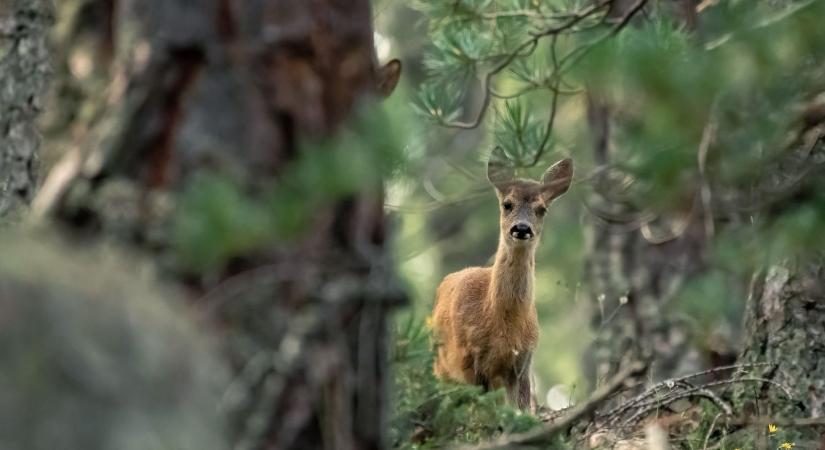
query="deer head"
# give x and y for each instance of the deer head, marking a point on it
(523, 203)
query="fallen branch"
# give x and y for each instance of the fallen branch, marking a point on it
(543, 434)
(699, 391)
(670, 384)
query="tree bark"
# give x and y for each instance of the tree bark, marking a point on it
(236, 88)
(636, 266)
(784, 323)
(636, 263)
(24, 74)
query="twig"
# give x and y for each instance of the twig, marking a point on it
(528, 47)
(671, 382)
(646, 407)
(532, 86)
(553, 106)
(784, 14)
(549, 129)
(721, 404)
(524, 13)
(700, 391)
(578, 53)
(628, 17)
(710, 431)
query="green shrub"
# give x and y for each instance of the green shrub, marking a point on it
(428, 413)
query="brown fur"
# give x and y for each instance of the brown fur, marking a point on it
(484, 318)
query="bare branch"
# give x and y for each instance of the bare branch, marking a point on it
(640, 4)
(673, 382)
(524, 49)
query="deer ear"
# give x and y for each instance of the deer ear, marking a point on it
(388, 77)
(499, 173)
(557, 179)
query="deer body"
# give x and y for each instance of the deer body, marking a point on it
(484, 318)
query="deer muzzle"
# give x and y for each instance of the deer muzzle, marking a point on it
(521, 231)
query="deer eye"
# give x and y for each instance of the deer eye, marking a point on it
(541, 210)
(508, 206)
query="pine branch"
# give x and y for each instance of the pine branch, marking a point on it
(525, 49)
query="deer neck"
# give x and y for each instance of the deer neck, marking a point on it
(511, 286)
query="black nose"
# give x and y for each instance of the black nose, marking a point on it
(521, 231)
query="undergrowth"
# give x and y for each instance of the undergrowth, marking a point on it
(428, 413)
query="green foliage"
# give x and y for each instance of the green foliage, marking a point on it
(431, 103)
(515, 121)
(215, 211)
(739, 81)
(747, 71)
(220, 217)
(428, 413)
(748, 75)
(796, 231)
(706, 125)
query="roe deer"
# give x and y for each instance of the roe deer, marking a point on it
(484, 318)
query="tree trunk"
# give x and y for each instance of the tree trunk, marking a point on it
(236, 89)
(784, 324)
(24, 74)
(638, 261)
(635, 268)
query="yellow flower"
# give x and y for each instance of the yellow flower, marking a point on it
(772, 428)
(786, 445)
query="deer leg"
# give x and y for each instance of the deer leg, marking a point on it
(525, 393)
(522, 394)
(478, 376)
(513, 392)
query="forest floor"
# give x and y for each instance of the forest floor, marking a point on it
(697, 411)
